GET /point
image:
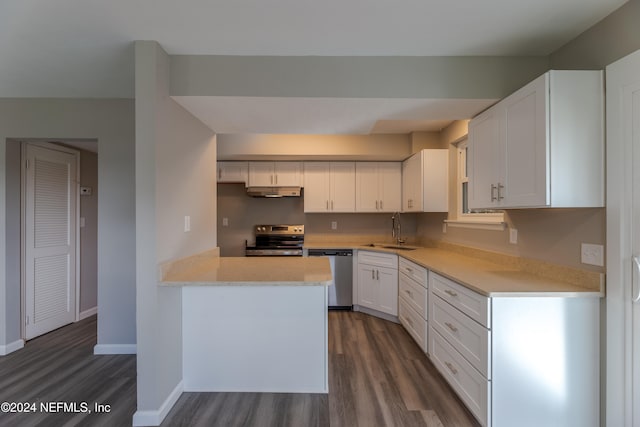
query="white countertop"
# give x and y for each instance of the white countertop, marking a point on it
(200, 270)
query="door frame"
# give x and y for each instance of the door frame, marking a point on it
(23, 246)
(619, 308)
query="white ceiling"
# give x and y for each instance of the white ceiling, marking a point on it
(83, 48)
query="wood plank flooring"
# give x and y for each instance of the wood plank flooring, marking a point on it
(60, 367)
(377, 377)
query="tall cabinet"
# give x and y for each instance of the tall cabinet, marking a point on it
(542, 146)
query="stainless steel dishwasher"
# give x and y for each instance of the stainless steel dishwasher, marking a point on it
(341, 293)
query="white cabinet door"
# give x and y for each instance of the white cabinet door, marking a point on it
(343, 187)
(390, 186)
(368, 286)
(232, 172)
(387, 290)
(525, 150)
(261, 174)
(484, 159)
(541, 146)
(287, 174)
(317, 186)
(411, 183)
(367, 199)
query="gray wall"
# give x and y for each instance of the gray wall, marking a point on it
(111, 122)
(89, 233)
(175, 176)
(357, 77)
(614, 37)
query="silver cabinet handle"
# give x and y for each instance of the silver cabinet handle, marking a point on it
(409, 269)
(271, 179)
(450, 292)
(327, 202)
(377, 274)
(220, 173)
(409, 321)
(500, 187)
(635, 284)
(373, 274)
(276, 179)
(493, 189)
(409, 293)
(332, 205)
(453, 370)
(450, 326)
(381, 207)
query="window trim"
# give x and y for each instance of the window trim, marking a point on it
(485, 221)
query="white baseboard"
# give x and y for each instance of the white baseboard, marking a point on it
(88, 313)
(11, 347)
(115, 349)
(155, 418)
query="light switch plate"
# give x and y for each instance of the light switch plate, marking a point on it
(592, 254)
(334, 225)
(513, 236)
(187, 223)
(225, 222)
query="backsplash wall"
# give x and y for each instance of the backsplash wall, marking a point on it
(244, 212)
(551, 235)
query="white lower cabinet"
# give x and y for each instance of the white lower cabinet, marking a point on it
(378, 281)
(517, 360)
(413, 301)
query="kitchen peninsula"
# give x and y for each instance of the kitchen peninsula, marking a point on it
(253, 324)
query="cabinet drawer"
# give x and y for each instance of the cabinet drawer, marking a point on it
(413, 323)
(378, 259)
(414, 294)
(470, 303)
(469, 384)
(467, 336)
(413, 270)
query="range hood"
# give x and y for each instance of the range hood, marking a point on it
(273, 191)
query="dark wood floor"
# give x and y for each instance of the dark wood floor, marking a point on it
(60, 367)
(378, 377)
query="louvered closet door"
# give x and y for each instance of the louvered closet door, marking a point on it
(50, 240)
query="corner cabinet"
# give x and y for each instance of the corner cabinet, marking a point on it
(233, 172)
(275, 174)
(425, 178)
(329, 187)
(378, 281)
(378, 186)
(542, 146)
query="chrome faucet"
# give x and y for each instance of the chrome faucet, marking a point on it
(396, 228)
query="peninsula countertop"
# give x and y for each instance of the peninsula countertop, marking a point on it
(207, 270)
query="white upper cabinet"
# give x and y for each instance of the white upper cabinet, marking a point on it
(275, 174)
(425, 178)
(378, 186)
(542, 146)
(329, 187)
(233, 172)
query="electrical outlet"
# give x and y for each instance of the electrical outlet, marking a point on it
(225, 222)
(513, 236)
(334, 225)
(187, 223)
(592, 254)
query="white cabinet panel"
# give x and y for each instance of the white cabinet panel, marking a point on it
(378, 186)
(413, 323)
(275, 174)
(378, 281)
(233, 172)
(425, 178)
(329, 186)
(414, 294)
(542, 146)
(474, 305)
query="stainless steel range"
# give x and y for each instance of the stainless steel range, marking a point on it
(277, 240)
